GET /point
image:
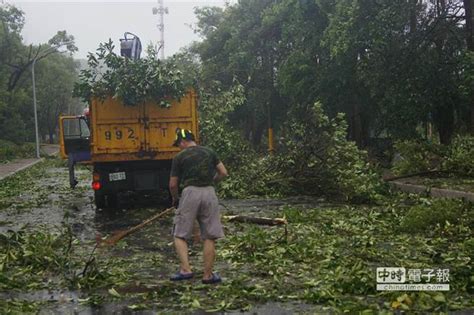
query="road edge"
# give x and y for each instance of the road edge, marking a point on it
(21, 168)
(432, 192)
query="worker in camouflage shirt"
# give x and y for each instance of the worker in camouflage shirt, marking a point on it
(196, 168)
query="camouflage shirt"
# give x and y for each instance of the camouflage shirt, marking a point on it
(195, 166)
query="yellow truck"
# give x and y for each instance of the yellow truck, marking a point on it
(130, 148)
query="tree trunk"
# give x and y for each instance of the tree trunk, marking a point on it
(258, 133)
(468, 9)
(250, 127)
(413, 12)
(355, 125)
(445, 123)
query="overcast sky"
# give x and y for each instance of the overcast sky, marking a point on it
(93, 22)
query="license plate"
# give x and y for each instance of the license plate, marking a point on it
(117, 176)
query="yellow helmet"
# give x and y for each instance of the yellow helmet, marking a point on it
(182, 134)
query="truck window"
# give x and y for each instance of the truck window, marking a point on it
(76, 129)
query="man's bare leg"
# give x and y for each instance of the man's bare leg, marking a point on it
(182, 250)
(209, 256)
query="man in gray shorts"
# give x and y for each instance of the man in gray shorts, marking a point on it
(196, 168)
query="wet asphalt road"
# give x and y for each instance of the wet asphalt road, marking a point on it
(44, 199)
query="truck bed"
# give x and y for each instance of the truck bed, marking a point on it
(142, 132)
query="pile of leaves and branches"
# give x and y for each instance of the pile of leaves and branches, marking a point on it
(415, 156)
(330, 255)
(49, 259)
(247, 168)
(325, 261)
(316, 158)
(313, 157)
(131, 81)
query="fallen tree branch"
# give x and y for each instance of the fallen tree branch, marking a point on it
(261, 221)
(90, 261)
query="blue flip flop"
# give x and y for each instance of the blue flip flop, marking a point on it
(215, 278)
(181, 276)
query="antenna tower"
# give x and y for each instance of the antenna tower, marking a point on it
(161, 11)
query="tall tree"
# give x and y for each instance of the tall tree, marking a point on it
(242, 45)
(15, 81)
(390, 65)
(55, 80)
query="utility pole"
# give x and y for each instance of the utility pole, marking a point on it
(161, 11)
(41, 54)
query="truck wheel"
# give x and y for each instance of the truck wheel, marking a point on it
(99, 200)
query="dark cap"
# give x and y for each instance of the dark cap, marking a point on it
(183, 134)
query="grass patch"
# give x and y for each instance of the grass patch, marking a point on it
(10, 150)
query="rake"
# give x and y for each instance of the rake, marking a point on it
(117, 236)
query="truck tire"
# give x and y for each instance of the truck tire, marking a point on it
(99, 200)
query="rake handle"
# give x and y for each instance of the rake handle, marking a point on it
(115, 238)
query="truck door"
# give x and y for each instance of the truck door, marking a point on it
(74, 137)
(74, 140)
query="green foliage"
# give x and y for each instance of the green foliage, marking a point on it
(54, 99)
(255, 177)
(10, 150)
(46, 258)
(240, 46)
(323, 261)
(460, 156)
(388, 65)
(215, 106)
(131, 81)
(247, 170)
(13, 126)
(329, 254)
(28, 257)
(188, 64)
(415, 156)
(54, 80)
(433, 213)
(315, 157)
(37, 252)
(420, 156)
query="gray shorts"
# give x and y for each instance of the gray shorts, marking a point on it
(198, 203)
